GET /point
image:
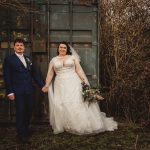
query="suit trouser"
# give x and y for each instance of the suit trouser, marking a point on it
(24, 109)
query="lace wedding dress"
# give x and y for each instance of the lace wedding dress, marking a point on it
(67, 110)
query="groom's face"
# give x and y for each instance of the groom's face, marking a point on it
(19, 48)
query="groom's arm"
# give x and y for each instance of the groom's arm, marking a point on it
(37, 76)
(8, 76)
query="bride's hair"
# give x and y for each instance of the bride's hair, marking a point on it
(68, 48)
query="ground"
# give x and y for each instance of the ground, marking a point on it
(127, 137)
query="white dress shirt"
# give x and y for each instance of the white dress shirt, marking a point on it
(22, 59)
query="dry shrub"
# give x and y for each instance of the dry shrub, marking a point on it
(19, 6)
(125, 65)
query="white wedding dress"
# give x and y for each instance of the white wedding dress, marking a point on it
(67, 110)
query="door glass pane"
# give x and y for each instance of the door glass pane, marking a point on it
(82, 36)
(58, 36)
(40, 29)
(3, 18)
(25, 34)
(60, 1)
(85, 50)
(4, 35)
(3, 54)
(19, 20)
(39, 1)
(59, 17)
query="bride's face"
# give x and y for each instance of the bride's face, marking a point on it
(62, 49)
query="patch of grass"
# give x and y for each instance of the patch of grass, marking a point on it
(127, 137)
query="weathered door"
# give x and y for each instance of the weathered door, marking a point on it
(58, 20)
(77, 24)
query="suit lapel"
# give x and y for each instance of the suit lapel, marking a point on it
(19, 61)
(28, 62)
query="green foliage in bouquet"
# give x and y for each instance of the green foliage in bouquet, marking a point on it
(90, 95)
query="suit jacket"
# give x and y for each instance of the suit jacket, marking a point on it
(18, 79)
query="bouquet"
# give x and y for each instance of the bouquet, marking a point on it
(90, 95)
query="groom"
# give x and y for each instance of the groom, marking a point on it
(18, 75)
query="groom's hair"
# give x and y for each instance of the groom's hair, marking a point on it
(19, 40)
(68, 48)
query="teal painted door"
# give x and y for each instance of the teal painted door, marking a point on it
(58, 20)
(76, 24)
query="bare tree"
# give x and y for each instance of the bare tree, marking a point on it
(18, 6)
(125, 42)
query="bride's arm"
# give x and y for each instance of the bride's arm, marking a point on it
(80, 71)
(50, 75)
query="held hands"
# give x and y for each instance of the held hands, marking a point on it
(45, 89)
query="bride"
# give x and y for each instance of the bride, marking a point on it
(68, 111)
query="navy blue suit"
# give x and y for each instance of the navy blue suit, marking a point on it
(19, 81)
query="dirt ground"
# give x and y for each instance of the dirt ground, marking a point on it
(127, 137)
